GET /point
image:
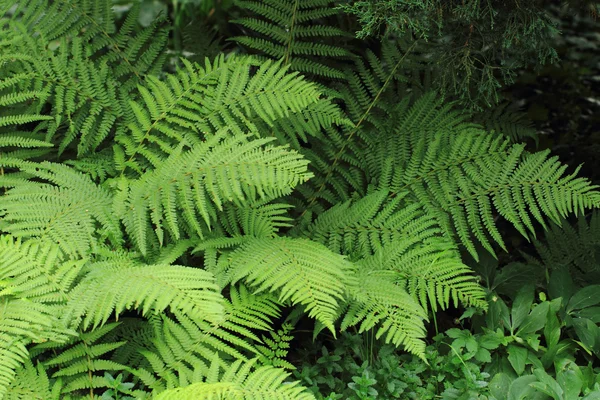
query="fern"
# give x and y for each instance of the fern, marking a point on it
(571, 247)
(145, 287)
(154, 224)
(67, 208)
(203, 101)
(238, 382)
(32, 382)
(285, 31)
(506, 120)
(86, 94)
(232, 169)
(305, 273)
(35, 278)
(81, 363)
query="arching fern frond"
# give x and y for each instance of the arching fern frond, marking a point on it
(286, 30)
(148, 288)
(182, 349)
(362, 227)
(241, 381)
(188, 186)
(303, 271)
(199, 102)
(380, 304)
(35, 279)
(462, 175)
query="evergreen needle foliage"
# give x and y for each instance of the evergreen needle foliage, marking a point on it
(156, 222)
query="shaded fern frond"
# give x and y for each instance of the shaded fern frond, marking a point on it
(82, 362)
(503, 119)
(380, 304)
(574, 247)
(372, 94)
(303, 271)
(133, 55)
(84, 96)
(286, 30)
(32, 382)
(241, 380)
(87, 77)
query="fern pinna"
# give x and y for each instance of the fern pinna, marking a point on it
(155, 223)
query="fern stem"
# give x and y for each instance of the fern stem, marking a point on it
(356, 127)
(291, 37)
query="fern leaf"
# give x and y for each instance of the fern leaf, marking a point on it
(65, 210)
(203, 101)
(232, 170)
(144, 287)
(380, 304)
(303, 271)
(237, 383)
(285, 32)
(32, 383)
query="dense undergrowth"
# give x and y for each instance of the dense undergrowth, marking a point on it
(243, 200)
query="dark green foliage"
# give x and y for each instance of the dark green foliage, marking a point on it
(292, 31)
(475, 46)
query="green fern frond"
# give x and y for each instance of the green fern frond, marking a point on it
(260, 220)
(188, 187)
(372, 95)
(32, 383)
(68, 209)
(182, 349)
(36, 270)
(84, 95)
(303, 271)
(21, 323)
(13, 355)
(380, 304)
(199, 102)
(81, 363)
(433, 274)
(362, 227)
(148, 288)
(238, 382)
(285, 30)
(35, 283)
(276, 348)
(132, 54)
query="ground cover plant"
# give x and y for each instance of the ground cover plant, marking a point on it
(174, 206)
